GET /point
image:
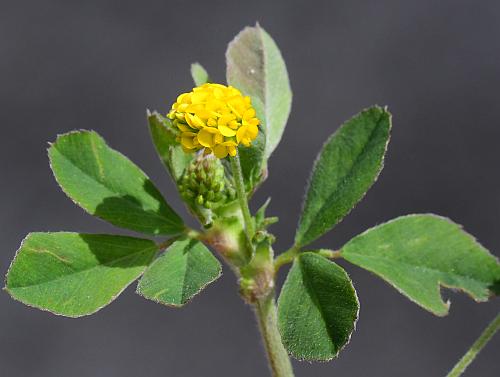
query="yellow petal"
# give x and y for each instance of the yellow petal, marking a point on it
(232, 151)
(203, 114)
(205, 138)
(251, 121)
(246, 134)
(224, 119)
(184, 98)
(187, 141)
(183, 127)
(208, 136)
(250, 113)
(193, 108)
(240, 134)
(194, 121)
(231, 147)
(234, 124)
(220, 151)
(252, 131)
(218, 138)
(199, 97)
(226, 131)
(233, 109)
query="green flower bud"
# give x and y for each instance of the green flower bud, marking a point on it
(200, 200)
(204, 184)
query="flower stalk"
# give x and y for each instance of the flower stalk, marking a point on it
(242, 196)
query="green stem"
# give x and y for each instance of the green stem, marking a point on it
(289, 255)
(265, 308)
(242, 196)
(330, 254)
(478, 345)
(279, 362)
(285, 258)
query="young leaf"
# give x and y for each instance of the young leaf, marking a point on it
(179, 274)
(75, 274)
(169, 150)
(255, 66)
(317, 308)
(108, 185)
(199, 74)
(260, 215)
(347, 166)
(419, 253)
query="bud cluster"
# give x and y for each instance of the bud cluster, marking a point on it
(204, 183)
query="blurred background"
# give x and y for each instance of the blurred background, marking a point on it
(98, 65)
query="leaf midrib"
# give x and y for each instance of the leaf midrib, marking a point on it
(342, 180)
(317, 304)
(110, 190)
(85, 270)
(415, 266)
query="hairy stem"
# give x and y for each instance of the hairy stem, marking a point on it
(285, 258)
(279, 362)
(242, 196)
(265, 308)
(478, 345)
(289, 255)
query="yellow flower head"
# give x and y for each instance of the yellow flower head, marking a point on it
(215, 117)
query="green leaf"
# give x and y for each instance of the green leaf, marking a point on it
(76, 274)
(253, 168)
(169, 150)
(317, 308)
(108, 185)
(255, 66)
(347, 166)
(179, 274)
(199, 74)
(419, 253)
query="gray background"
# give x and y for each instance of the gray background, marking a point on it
(98, 64)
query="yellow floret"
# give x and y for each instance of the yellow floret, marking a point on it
(216, 118)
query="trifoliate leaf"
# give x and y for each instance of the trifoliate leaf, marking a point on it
(179, 274)
(317, 308)
(347, 166)
(76, 274)
(108, 185)
(419, 253)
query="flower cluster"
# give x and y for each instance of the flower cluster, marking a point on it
(215, 117)
(204, 183)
